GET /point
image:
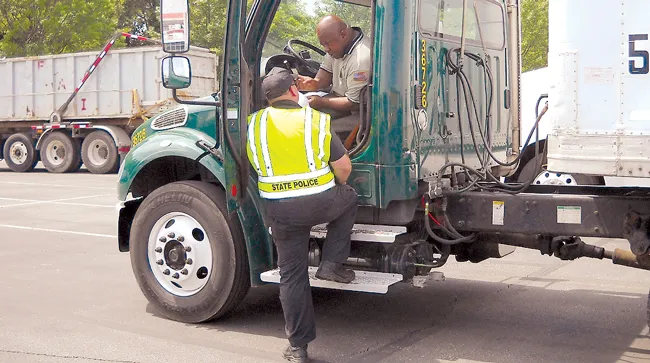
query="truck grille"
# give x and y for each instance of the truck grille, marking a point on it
(174, 118)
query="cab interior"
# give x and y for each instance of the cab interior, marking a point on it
(302, 54)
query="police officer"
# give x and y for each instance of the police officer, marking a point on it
(302, 171)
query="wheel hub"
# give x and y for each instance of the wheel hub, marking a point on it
(175, 255)
(180, 254)
(98, 152)
(551, 178)
(18, 153)
(55, 152)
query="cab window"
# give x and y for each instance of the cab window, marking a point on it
(297, 20)
(444, 18)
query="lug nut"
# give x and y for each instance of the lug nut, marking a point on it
(184, 271)
(166, 272)
(189, 261)
(188, 249)
(158, 249)
(176, 275)
(171, 235)
(180, 239)
(160, 262)
(163, 239)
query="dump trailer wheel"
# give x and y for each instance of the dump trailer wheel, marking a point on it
(187, 253)
(19, 153)
(99, 153)
(60, 153)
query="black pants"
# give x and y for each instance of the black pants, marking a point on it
(291, 221)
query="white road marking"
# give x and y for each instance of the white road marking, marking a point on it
(52, 202)
(85, 204)
(59, 185)
(57, 201)
(58, 231)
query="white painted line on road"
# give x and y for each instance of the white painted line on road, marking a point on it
(85, 204)
(58, 185)
(58, 231)
(54, 201)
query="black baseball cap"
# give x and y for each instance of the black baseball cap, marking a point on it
(277, 82)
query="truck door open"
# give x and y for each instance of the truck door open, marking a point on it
(235, 105)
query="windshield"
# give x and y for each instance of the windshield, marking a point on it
(444, 19)
(297, 19)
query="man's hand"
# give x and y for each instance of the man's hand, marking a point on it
(307, 83)
(317, 102)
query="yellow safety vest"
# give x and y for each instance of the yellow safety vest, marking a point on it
(290, 150)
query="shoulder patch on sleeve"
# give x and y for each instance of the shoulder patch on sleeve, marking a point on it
(360, 76)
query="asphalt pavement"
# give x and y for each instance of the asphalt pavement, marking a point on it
(68, 295)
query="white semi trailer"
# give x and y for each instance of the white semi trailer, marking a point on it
(81, 108)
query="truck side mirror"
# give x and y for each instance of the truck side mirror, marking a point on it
(176, 72)
(175, 25)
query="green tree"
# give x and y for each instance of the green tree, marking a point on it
(291, 21)
(534, 28)
(353, 15)
(208, 23)
(141, 17)
(55, 26)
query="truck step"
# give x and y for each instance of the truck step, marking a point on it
(365, 232)
(365, 281)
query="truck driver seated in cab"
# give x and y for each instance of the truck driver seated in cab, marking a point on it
(346, 69)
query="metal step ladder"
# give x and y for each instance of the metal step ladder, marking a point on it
(365, 232)
(364, 281)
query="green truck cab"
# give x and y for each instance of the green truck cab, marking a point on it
(438, 133)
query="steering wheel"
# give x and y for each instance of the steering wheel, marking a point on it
(311, 65)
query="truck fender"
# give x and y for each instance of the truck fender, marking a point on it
(40, 139)
(182, 142)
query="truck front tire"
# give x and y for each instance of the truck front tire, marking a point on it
(60, 153)
(187, 253)
(19, 153)
(99, 153)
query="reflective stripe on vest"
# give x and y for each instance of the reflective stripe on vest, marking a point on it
(297, 192)
(321, 138)
(272, 142)
(251, 141)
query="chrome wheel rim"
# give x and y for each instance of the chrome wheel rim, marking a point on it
(180, 254)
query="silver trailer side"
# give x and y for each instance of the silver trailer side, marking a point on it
(124, 89)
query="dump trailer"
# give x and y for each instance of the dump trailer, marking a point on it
(439, 131)
(75, 108)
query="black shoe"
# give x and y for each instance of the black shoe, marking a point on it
(333, 271)
(296, 354)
